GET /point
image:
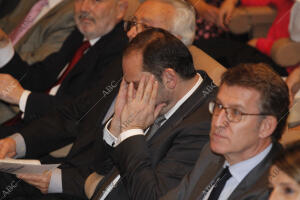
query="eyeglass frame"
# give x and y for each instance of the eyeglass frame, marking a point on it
(133, 21)
(211, 108)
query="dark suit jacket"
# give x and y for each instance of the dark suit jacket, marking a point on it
(80, 122)
(96, 64)
(210, 165)
(150, 168)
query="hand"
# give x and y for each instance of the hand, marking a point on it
(4, 40)
(10, 89)
(40, 181)
(225, 14)
(115, 126)
(7, 148)
(252, 42)
(208, 12)
(141, 110)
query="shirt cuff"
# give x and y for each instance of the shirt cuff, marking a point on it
(55, 185)
(6, 54)
(20, 145)
(129, 133)
(109, 138)
(23, 100)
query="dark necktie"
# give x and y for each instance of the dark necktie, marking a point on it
(219, 184)
(155, 126)
(77, 56)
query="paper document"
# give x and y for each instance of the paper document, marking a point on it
(17, 166)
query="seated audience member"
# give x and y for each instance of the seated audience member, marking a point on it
(91, 52)
(37, 31)
(249, 116)
(294, 26)
(279, 28)
(213, 17)
(178, 17)
(285, 174)
(160, 118)
(181, 95)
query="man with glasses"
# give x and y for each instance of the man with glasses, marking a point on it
(249, 116)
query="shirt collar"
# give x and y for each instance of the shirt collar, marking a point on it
(240, 170)
(184, 98)
(53, 3)
(93, 41)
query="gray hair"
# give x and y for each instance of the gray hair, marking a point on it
(184, 22)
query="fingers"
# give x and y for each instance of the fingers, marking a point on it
(7, 148)
(154, 93)
(140, 90)
(130, 92)
(40, 181)
(149, 90)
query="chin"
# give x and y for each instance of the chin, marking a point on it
(217, 147)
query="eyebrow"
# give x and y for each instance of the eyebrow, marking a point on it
(231, 106)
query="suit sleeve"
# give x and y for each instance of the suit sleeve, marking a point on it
(145, 181)
(57, 128)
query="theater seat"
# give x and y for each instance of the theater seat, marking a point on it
(256, 21)
(253, 20)
(204, 62)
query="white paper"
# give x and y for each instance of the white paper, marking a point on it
(18, 166)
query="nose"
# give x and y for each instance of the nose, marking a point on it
(132, 33)
(220, 120)
(85, 5)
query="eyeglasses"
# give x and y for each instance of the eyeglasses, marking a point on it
(232, 114)
(133, 23)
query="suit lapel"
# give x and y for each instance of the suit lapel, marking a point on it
(212, 165)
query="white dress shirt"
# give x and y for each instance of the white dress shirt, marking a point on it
(294, 26)
(239, 171)
(111, 140)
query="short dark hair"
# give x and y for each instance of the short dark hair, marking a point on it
(161, 50)
(289, 161)
(274, 95)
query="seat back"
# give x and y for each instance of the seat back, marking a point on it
(208, 64)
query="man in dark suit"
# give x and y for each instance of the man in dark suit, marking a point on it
(48, 83)
(161, 119)
(249, 117)
(83, 119)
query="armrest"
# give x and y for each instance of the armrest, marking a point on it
(245, 19)
(91, 183)
(204, 62)
(285, 52)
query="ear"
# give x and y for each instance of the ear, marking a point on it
(122, 8)
(169, 78)
(267, 126)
